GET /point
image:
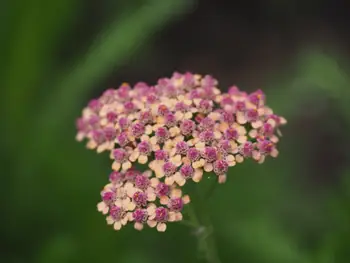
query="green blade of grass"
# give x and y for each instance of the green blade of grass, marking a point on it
(117, 43)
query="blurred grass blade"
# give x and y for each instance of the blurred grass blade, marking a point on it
(110, 50)
(27, 50)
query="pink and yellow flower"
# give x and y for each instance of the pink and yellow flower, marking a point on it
(181, 128)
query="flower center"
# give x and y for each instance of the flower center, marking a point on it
(161, 214)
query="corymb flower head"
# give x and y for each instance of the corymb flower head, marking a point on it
(140, 200)
(180, 128)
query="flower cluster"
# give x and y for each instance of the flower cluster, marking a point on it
(181, 127)
(136, 197)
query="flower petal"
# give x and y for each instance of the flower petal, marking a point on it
(151, 223)
(117, 225)
(164, 200)
(256, 155)
(257, 124)
(133, 157)
(138, 226)
(222, 179)
(180, 180)
(161, 227)
(176, 192)
(186, 199)
(241, 118)
(102, 207)
(124, 220)
(169, 180)
(198, 174)
(172, 216)
(142, 159)
(178, 216)
(242, 139)
(208, 167)
(116, 166)
(154, 182)
(126, 166)
(239, 158)
(274, 153)
(109, 220)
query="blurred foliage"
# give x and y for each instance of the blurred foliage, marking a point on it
(50, 183)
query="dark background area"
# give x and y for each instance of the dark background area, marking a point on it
(56, 55)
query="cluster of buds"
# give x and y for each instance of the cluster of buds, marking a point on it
(137, 197)
(180, 128)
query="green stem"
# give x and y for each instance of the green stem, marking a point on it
(211, 190)
(200, 220)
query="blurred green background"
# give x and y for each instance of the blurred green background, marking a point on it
(56, 55)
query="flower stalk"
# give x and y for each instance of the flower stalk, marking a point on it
(199, 218)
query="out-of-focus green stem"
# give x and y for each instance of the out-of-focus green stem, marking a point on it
(199, 218)
(211, 190)
(120, 39)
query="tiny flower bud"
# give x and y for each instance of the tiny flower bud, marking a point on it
(252, 115)
(142, 182)
(220, 167)
(240, 106)
(111, 117)
(116, 212)
(182, 148)
(151, 98)
(267, 129)
(161, 155)
(98, 136)
(129, 107)
(170, 120)
(161, 214)
(163, 110)
(224, 147)
(247, 149)
(81, 124)
(187, 127)
(140, 215)
(175, 204)
(193, 154)
(120, 155)
(205, 106)
(109, 133)
(108, 197)
(140, 198)
(231, 134)
(146, 117)
(116, 177)
(123, 139)
(93, 120)
(95, 105)
(257, 97)
(138, 130)
(187, 171)
(210, 154)
(169, 168)
(180, 106)
(227, 117)
(207, 136)
(144, 148)
(162, 189)
(162, 134)
(123, 123)
(123, 91)
(265, 146)
(131, 174)
(207, 123)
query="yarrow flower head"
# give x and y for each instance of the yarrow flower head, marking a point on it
(141, 199)
(181, 128)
